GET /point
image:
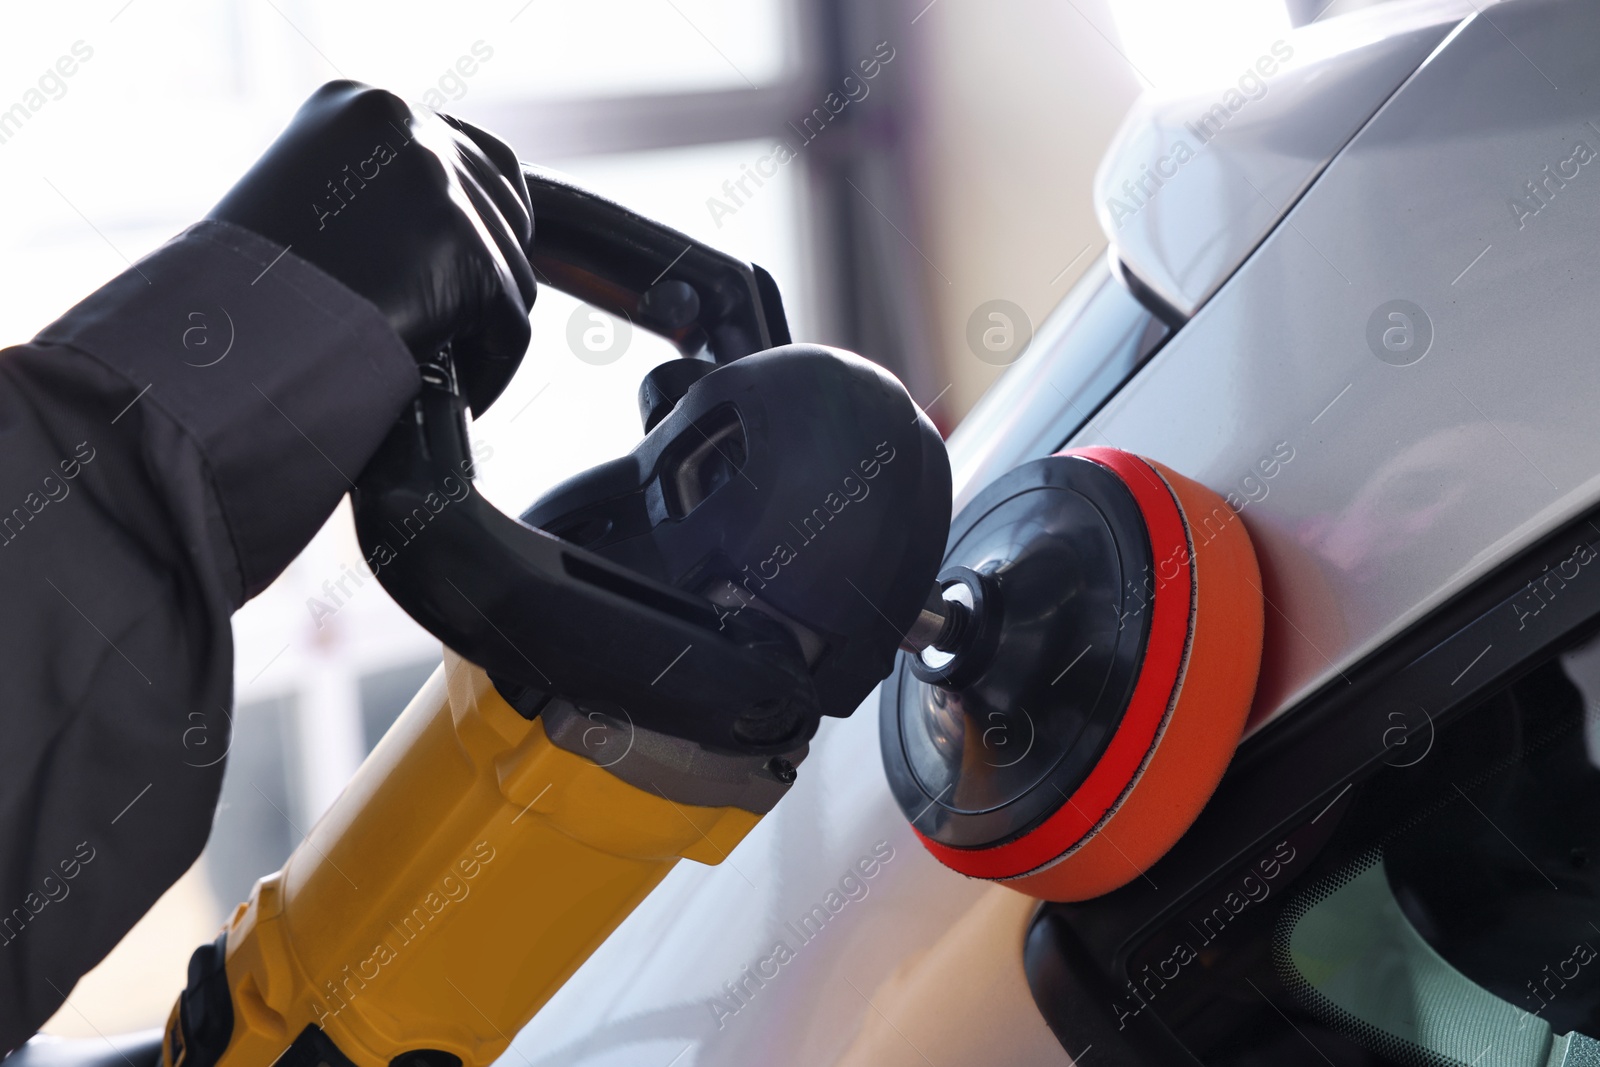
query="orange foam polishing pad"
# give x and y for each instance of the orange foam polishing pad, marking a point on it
(1098, 692)
(1208, 708)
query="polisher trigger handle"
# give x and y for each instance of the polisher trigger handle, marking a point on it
(548, 617)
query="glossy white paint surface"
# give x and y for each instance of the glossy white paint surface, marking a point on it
(1191, 185)
(1407, 482)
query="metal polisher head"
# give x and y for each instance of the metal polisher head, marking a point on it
(1085, 708)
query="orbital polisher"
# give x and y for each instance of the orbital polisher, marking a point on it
(1079, 681)
(634, 668)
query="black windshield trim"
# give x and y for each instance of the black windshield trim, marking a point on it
(1480, 641)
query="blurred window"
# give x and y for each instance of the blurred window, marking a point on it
(385, 694)
(252, 835)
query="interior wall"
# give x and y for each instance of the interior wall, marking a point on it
(1016, 102)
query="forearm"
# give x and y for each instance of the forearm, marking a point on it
(170, 445)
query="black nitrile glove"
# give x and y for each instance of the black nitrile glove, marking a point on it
(424, 215)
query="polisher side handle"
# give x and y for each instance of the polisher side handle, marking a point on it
(700, 299)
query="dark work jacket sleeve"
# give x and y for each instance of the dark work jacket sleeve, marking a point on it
(166, 448)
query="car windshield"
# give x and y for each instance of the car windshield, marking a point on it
(1446, 911)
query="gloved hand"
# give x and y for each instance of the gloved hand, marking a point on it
(424, 215)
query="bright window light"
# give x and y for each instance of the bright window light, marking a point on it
(1181, 46)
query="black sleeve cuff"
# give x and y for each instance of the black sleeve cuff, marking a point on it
(287, 380)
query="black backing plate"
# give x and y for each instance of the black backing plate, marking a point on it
(1065, 555)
